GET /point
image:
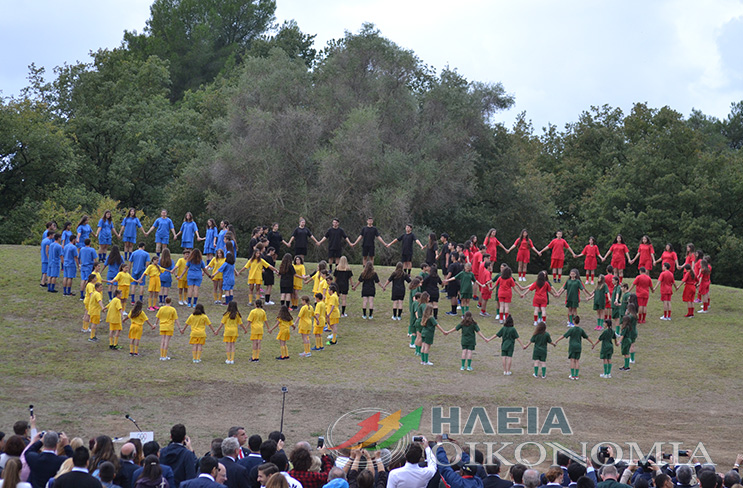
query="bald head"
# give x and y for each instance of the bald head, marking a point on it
(303, 445)
(127, 451)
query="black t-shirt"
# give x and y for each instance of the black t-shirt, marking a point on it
(287, 279)
(431, 254)
(269, 260)
(455, 269)
(407, 241)
(368, 234)
(368, 285)
(431, 284)
(274, 239)
(442, 256)
(342, 278)
(301, 237)
(253, 242)
(335, 238)
(398, 284)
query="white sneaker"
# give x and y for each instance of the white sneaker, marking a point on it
(330, 336)
(632, 361)
(535, 323)
(167, 358)
(180, 302)
(429, 363)
(500, 321)
(344, 315)
(509, 373)
(461, 369)
(602, 375)
(571, 377)
(701, 310)
(226, 361)
(608, 376)
(534, 375)
(301, 354)
(587, 281)
(270, 303)
(412, 346)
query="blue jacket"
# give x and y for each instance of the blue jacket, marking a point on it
(181, 460)
(451, 478)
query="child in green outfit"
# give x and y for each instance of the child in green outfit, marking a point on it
(428, 326)
(540, 339)
(573, 287)
(509, 335)
(608, 340)
(469, 329)
(575, 335)
(599, 301)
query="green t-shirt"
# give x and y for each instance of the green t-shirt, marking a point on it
(623, 308)
(430, 327)
(465, 278)
(573, 288)
(418, 309)
(509, 336)
(469, 334)
(599, 297)
(616, 296)
(576, 335)
(540, 342)
(630, 334)
(607, 341)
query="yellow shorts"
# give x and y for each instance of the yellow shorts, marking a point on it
(197, 340)
(283, 336)
(166, 332)
(95, 319)
(307, 330)
(183, 283)
(334, 320)
(229, 338)
(124, 293)
(258, 281)
(135, 332)
(317, 330)
(256, 337)
(154, 285)
(114, 326)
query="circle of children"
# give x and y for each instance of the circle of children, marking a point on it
(468, 276)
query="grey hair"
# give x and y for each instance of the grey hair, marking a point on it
(229, 446)
(303, 445)
(683, 474)
(386, 457)
(51, 439)
(609, 471)
(531, 478)
(336, 472)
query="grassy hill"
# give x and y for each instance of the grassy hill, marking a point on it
(684, 387)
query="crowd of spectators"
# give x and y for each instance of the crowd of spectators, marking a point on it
(33, 459)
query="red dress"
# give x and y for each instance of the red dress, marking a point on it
(524, 254)
(646, 260)
(491, 245)
(618, 252)
(690, 286)
(590, 252)
(671, 258)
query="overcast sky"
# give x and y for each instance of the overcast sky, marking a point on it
(557, 57)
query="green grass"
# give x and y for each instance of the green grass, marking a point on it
(684, 387)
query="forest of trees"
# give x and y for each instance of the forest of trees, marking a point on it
(216, 110)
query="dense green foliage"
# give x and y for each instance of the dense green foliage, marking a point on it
(215, 110)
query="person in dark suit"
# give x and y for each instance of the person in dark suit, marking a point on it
(79, 476)
(208, 472)
(44, 463)
(237, 475)
(517, 475)
(179, 455)
(493, 479)
(242, 437)
(253, 458)
(126, 467)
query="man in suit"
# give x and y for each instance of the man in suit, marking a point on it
(242, 437)
(493, 479)
(126, 466)
(253, 458)
(517, 475)
(609, 475)
(237, 475)
(209, 471)
(79, 476)
(44, 463)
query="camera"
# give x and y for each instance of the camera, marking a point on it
(445, 437)
(320, 442)
(418, 438)
(645, 464)
(683, 453)
(284, 389)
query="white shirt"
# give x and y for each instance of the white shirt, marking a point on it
(206, 475)
(293, 483)
(412, 475)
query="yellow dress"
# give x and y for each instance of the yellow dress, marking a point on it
(257, 319)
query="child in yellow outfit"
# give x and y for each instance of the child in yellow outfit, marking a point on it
(123, 281)
(89, 289)
(138, 318)
(180, 267)
(284, 322)
(198, 322)
(315, 317)
(167, 319)
(299, 278)
(153, 271)
(94, 308)
(114, 315)
(231, 320)
(255, 266)
(214, 266)
(256, 321)
(333, 312)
